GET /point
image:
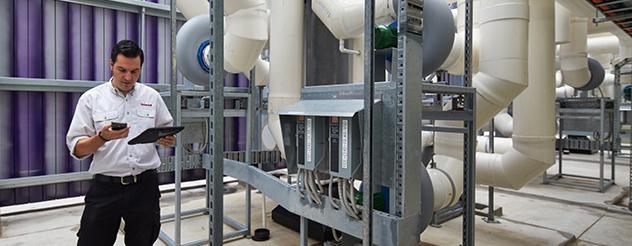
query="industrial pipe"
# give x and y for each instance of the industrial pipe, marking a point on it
(502, 76)
(286, 61)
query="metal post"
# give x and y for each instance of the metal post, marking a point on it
(303, 236)
(249, 144)
(469, 152)
(141, 39)
(490, 195)
(175, 108)
(367, 168)
(216, 126)
(602, 135)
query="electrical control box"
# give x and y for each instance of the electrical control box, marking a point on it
(311, 139)
(345, 148)
(326, 135)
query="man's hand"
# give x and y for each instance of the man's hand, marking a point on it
(108, 134)
(167, 141)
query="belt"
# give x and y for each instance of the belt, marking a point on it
(126, 180)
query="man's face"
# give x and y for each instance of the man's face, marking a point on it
(125, 72)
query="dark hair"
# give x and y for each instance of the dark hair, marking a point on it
(128, 49)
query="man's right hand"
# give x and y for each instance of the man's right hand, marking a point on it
(108, 134)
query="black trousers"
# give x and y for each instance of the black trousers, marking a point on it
(108, 202)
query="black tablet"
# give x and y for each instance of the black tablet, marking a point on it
(152, 135)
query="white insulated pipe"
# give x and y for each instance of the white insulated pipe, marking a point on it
(503, 123)
(286, 61)
(599, 45)
(562, 24)
(345, 18)
(502, 76)
(534, 120)
(574, 55)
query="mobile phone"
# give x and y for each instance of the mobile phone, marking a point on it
(118, 126)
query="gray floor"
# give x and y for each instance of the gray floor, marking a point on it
(535, 215)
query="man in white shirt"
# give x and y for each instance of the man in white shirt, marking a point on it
(125, 183)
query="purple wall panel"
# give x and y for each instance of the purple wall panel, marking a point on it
(59, 40)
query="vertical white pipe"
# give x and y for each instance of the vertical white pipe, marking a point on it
(534, 120)
(286, 60)
(562, 24)
(502, 76)
(357, 61)
(574, 55)
(625, 51)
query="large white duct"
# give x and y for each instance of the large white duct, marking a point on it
(345, 18)
(603, 44)
(286, 61)
(562, 24)
(574, 55)
(502, 76)
(534, 120)
(455, 61)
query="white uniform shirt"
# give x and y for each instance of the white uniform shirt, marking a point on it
(141, 108)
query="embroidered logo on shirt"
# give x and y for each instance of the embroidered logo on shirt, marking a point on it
(146, 104)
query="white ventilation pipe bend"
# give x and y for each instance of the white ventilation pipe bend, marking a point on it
(246, 33)
(503, 123)
(574, 55)
(345, 18)
(562, 24)
(502, 76)
(534, 120)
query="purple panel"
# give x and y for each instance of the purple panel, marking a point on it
(87, 43)
(151, 50)
(132, 27)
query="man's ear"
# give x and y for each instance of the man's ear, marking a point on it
(111, 64)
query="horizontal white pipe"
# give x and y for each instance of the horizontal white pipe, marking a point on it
(286, 61)
(503, 123)
(345, 18)
(608, 44)
(564, 91)
(262, 69)
(192, 8)
(574, 55)
(501, 145)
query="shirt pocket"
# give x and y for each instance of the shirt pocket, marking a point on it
(104, 118)
(146, 117)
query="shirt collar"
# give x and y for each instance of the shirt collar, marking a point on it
(117, 92)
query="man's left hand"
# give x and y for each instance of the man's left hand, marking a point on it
(168, 141)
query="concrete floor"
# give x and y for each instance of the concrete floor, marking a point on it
(536, 215)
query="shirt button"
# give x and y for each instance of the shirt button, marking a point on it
(130, 155)
(127, 112)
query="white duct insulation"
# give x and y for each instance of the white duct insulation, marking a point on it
(246, 33)
(533, 140)
(455, 61)
(344, 18)
(574, 55)
(503, 123)
(286, 61)
(502, 76)
(625, 51)
(562, 24)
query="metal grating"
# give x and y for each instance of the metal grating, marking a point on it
(617, 11)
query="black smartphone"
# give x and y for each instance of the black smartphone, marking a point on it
(118, 126)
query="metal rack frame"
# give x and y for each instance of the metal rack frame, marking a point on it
(617, 82)
(601, 114)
